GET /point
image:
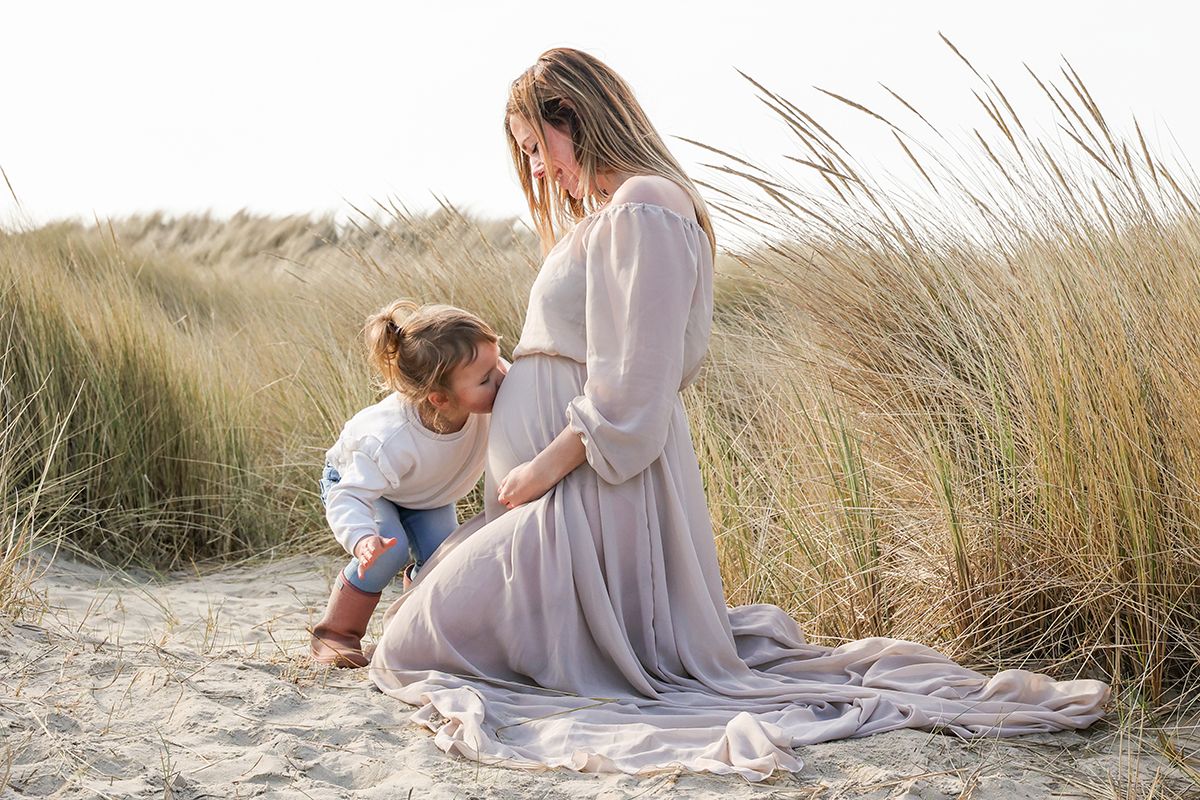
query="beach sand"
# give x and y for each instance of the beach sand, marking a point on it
(200, 687)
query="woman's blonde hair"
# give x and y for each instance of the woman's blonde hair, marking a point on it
(582, 96)
(413, 348)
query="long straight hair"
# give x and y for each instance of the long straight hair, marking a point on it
(582, 96)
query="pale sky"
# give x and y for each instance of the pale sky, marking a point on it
(122, 107)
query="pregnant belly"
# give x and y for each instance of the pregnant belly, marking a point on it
(531, 409)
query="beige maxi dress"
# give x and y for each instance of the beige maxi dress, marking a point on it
(589, 629)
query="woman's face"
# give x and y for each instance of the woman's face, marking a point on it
(564, 169)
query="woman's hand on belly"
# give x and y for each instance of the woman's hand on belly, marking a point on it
(522, 485)
(527, 482)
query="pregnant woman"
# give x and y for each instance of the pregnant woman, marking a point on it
(581, 621)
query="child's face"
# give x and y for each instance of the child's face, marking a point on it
(473, 384)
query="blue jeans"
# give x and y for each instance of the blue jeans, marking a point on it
(422, 528)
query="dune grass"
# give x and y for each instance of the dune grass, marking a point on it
(966, 416)
(176, 394)
(1001, 413)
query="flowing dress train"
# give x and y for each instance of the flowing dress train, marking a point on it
(589, 629)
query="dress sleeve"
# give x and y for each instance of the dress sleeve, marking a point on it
(642, 263)
(368, 474)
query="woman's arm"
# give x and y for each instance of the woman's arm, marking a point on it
(529, 481)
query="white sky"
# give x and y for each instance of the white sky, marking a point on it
(113, 108)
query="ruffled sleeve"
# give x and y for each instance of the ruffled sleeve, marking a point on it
(648, 271)
(367, 474)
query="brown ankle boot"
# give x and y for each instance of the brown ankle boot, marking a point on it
(337, 638)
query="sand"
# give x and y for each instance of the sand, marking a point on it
(200, 687)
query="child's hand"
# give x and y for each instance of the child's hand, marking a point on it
(368, 549)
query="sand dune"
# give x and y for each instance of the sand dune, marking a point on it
(199, 687)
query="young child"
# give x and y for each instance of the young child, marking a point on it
(400, 465)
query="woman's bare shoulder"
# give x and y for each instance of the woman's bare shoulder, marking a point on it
(655, 190)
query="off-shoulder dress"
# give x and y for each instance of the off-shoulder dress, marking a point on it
(589, 629)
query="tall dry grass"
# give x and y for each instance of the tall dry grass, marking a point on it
(981, 423)
(206, 365)
(964, 415)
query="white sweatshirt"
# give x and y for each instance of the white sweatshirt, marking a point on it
(385, 451)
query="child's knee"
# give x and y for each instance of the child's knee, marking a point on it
(383, 569)
(392, 560)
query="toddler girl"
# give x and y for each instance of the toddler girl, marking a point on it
(400, 465)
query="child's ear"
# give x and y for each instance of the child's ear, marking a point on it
(439, 400)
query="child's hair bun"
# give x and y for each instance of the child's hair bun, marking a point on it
(398, 314)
